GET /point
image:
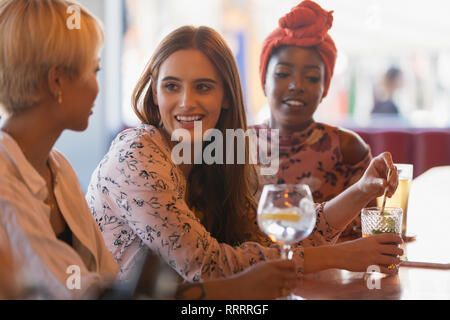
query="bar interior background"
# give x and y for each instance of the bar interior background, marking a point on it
(371, 35)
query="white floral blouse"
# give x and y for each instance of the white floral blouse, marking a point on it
(137, 194)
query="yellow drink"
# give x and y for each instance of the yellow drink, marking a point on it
(399, 200)
(282, 216)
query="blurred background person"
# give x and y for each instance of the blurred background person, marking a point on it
(384, 93)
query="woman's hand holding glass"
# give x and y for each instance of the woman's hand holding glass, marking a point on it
(379, 250)
(264, 281)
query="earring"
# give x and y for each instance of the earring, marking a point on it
(59, 97)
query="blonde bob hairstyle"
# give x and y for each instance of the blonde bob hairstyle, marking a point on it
(222, 193)
(35, 36)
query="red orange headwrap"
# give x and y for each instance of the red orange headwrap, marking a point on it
(306, 25)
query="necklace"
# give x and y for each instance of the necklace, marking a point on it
(50, 198)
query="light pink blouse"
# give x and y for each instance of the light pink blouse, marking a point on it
(39, 258)
(137, 194)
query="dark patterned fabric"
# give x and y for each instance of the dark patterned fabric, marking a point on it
(314, 157)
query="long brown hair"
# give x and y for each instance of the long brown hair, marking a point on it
(222, 193)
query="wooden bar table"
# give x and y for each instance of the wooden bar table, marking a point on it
(426, 275)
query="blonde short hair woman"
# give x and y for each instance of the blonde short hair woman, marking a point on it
(36, 38)
(48, 84)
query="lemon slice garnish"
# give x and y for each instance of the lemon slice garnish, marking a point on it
(289, 217)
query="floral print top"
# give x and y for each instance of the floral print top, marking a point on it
(137, 194)
(314, 157)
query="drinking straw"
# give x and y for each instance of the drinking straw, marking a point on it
(385, 192)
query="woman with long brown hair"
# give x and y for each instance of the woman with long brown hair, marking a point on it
(222, 200)
(200, 218)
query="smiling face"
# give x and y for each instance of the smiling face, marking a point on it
(188, 89)
(294, 87)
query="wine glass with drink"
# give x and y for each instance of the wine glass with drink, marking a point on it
(287, 215)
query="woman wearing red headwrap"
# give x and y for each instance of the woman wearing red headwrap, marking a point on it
(297, 64)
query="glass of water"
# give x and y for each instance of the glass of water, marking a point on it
(287, 215)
